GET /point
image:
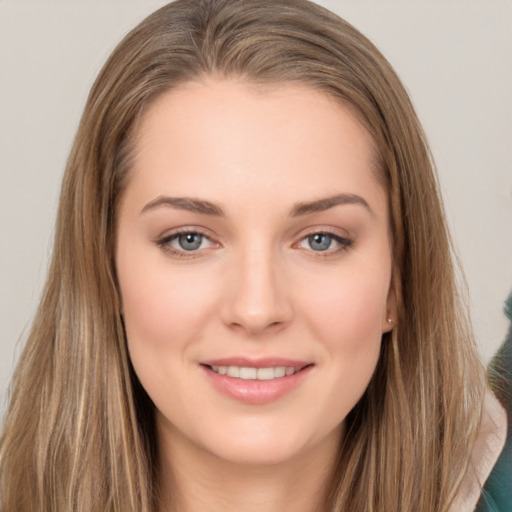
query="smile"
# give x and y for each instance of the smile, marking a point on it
(256, 382)
(250, 373)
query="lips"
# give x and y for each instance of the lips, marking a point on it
(256, 381)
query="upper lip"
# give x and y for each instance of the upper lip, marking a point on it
(266, 362)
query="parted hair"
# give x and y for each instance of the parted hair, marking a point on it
(79, 432)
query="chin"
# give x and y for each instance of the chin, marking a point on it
(266, 446)
(248, 453)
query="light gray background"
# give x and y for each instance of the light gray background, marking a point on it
(455, 58)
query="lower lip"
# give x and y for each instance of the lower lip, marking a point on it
(253, 391)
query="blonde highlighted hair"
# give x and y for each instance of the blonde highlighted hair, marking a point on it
(79, 433)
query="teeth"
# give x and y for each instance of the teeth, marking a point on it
(266, 373)
(248, 373)
(280, 371)
(233, 371)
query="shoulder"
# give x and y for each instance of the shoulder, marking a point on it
(486, 451)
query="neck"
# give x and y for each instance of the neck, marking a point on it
(193, 480)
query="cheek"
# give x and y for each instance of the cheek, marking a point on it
(350, 310)
(343, 311)
(347, 318)
(164, 314)
(162, 309)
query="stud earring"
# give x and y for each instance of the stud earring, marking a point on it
(390, 321)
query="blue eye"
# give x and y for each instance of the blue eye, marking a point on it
(190, 241)
(185, 242)
(320, 241)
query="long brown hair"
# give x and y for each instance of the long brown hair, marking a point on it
(79, 433)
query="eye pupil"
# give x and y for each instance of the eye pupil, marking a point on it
(319, 241)
(190, 241)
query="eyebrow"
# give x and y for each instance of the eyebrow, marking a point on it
(326, 203)
(185, 203)
(299, 209)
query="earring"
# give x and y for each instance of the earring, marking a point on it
(390, 321)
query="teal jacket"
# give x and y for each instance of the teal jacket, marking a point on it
(497, 492)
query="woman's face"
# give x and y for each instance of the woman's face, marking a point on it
(254, 261)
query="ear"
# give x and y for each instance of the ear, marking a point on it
(390, 318)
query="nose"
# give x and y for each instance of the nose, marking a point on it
(256, 299)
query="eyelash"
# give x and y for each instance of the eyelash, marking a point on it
(344, 243)
(164, 243)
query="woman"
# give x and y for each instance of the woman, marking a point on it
(251, 302)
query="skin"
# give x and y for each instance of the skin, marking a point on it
(255, 287)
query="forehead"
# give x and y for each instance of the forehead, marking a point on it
(223, 137)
